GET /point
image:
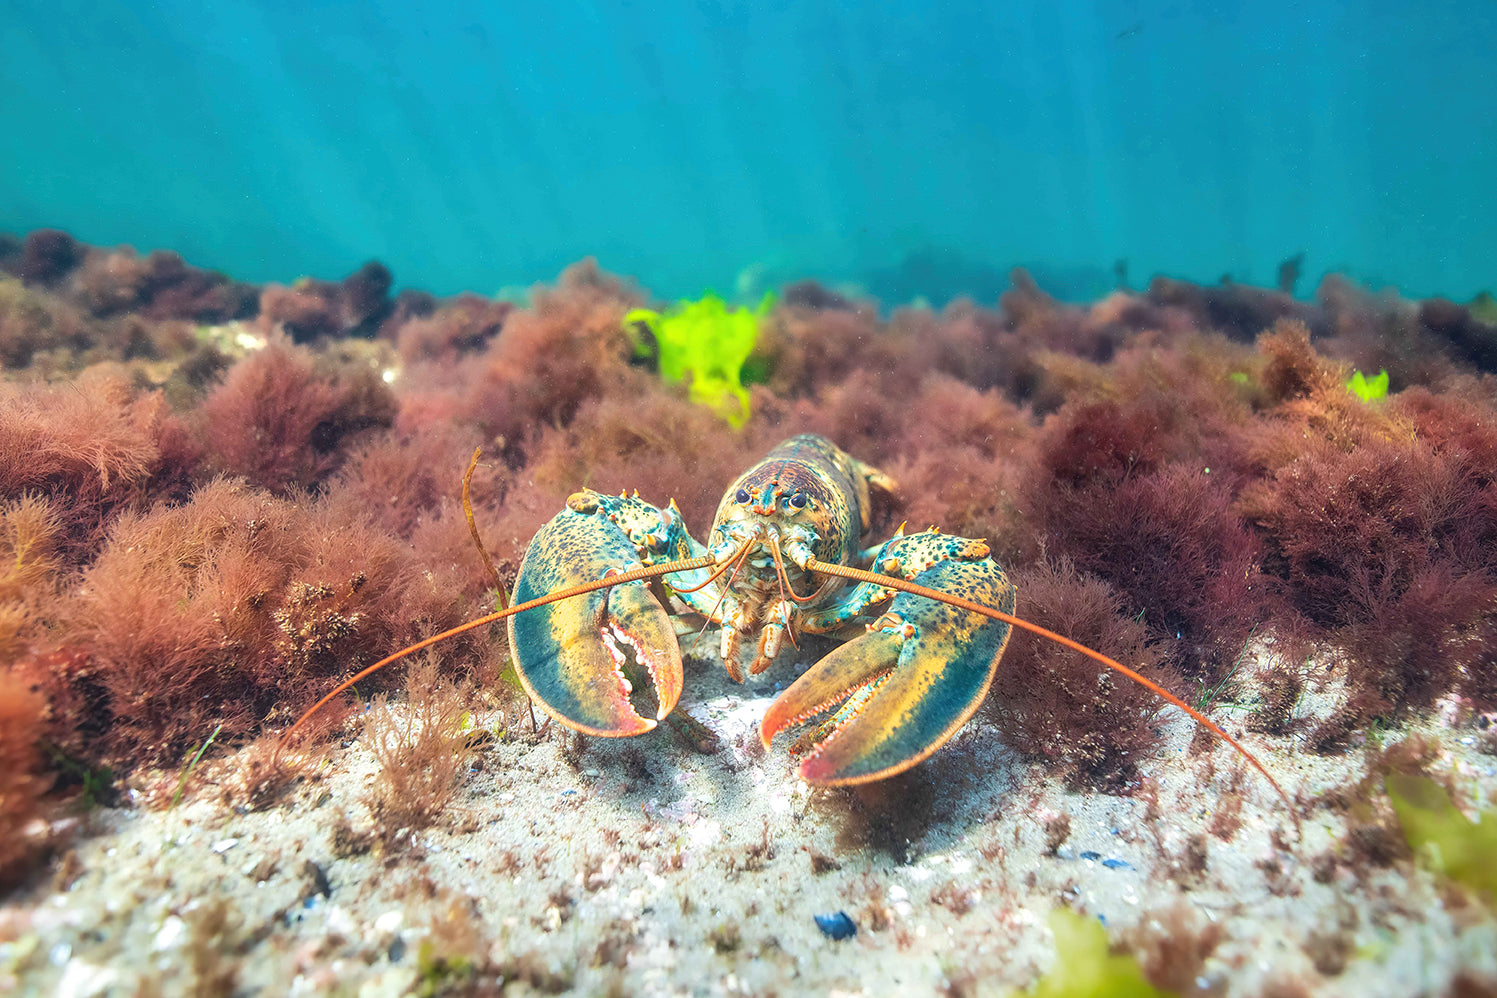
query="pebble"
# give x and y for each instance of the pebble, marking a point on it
(171, 934)
(836, 926)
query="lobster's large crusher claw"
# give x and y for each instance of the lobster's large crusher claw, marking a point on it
(581, 657)
(897, 693)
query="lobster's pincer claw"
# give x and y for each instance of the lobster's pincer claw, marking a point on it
(894, 695)
(580, 657)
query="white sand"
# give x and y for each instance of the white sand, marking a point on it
(596, 880)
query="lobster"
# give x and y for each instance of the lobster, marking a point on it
(932, 614)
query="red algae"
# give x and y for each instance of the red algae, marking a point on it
(464, 326)
(568, 347)
(23, 839)
(1170, 475)
(279, 422)
(104, 282)
(95, 447)
(231, 609)
(1057, 705)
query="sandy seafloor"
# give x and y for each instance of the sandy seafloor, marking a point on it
(663, 871)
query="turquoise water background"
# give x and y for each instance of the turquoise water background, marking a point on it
(917, 148)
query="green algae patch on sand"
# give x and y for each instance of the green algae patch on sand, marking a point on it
(707, 341)
(1453, 845)
(1083, 966)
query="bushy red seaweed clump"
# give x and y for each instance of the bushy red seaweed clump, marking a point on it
(217, 499)
(1053, 703)
(234, 608)
(280, 423)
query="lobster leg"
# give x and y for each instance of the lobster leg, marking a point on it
(581, 657)
(897, 693)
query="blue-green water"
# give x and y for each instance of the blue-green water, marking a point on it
(914, 148)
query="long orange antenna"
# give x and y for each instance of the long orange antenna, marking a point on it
(633, 575)
(785, 586)
(858, 575)
(717, 573)
(814, 565)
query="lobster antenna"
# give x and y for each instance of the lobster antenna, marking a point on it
(889, 582)
(633, 575)
(814, 565)
(785, 586)
(734, 563)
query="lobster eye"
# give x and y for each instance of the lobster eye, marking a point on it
(742, 495)
(798, 500)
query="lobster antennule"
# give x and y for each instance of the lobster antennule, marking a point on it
(859, 575)
(633, 575)
(735, 563)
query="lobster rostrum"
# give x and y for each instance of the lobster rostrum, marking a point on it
(932, 613)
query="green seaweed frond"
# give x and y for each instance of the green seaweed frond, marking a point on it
(1368, 389)
(509, 675)
(707, 341)
(96, 783)
(1463, 850)
(1083, 966)
(187, 770)
(1483, 308)
(439, 975)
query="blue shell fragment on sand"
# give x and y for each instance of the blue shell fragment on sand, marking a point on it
(836, 926)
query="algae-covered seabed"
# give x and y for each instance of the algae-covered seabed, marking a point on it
(643, 868)
(1174, 474)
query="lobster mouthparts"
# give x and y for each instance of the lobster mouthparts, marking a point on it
(583, 657)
